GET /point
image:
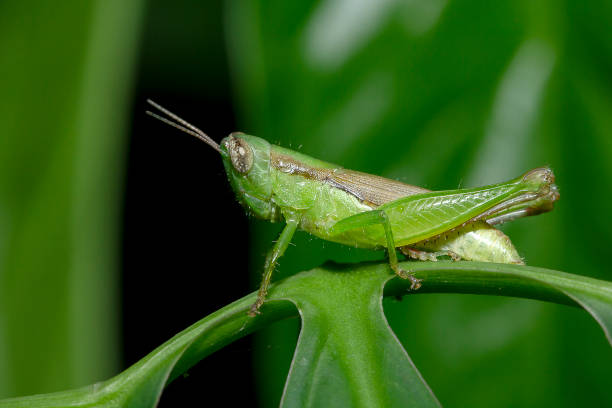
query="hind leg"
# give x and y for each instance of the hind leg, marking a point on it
(426, 255)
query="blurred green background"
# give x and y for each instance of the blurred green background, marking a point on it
(100, 210)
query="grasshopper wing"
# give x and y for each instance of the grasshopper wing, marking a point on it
(422, 216)
(371, 189)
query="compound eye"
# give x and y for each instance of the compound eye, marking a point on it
(241, 154)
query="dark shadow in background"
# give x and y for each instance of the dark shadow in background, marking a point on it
(183, 229)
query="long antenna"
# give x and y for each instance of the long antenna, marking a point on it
(181, 125)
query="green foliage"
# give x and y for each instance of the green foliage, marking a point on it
(65, 81)
(347, 354)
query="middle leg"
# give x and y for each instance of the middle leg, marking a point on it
(414, 282)
(374, 217)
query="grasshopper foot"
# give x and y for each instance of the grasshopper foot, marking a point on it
(426, 255)
(418, 254)
(254, 310)
(454, 256)
(414, 282)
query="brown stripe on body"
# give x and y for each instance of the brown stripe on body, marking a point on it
(371, 190)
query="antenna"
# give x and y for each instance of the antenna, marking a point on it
(181, 125)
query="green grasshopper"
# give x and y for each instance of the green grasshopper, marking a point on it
(367, 211)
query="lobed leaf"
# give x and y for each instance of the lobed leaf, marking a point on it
(347, 355)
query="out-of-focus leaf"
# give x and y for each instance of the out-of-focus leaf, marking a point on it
(65, 78)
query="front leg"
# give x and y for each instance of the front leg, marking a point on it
(276, 252)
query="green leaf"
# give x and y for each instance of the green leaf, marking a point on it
(66, 75)
(347, 354)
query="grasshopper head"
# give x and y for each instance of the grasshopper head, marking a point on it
(246, 160)
(247, 164)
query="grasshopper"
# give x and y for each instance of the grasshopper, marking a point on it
(368, 211)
